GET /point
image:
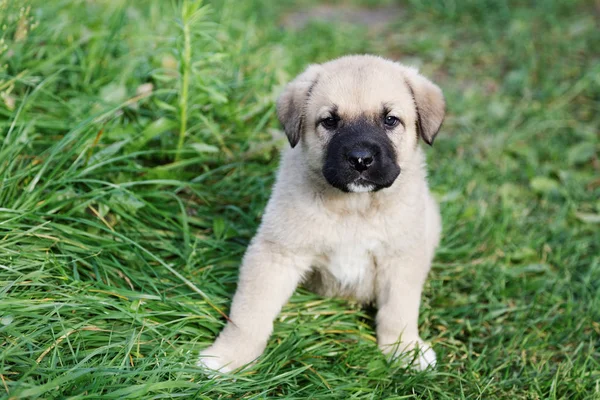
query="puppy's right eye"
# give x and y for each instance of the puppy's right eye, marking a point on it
(330, 123)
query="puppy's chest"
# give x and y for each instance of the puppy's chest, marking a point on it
(351, 262)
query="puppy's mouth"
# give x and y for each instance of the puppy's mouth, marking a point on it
(348, 179)
(361, 185)
(352, 182)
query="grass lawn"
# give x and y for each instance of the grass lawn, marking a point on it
(138, 144)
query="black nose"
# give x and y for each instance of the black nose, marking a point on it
(360, 159)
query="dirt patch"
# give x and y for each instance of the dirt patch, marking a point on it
(373, 18)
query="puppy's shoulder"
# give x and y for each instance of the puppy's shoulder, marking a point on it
(291, 212)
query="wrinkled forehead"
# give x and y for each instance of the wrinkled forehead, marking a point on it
(355, 91)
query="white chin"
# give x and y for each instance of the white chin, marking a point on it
(359, 188)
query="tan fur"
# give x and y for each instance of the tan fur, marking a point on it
(373, 246)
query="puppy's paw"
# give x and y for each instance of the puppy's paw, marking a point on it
(415, 353)
(224, 358)
(426, 358)
(214, 362)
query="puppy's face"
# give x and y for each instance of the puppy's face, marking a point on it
(358, 119)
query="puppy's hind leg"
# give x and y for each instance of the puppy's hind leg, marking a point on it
(268, 276)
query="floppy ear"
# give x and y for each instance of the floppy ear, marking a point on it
(430, 104)
(291, 104)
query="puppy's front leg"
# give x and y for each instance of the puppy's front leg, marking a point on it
(400, 283)
(268, 276)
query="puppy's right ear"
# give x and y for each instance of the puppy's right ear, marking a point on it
(291, 104)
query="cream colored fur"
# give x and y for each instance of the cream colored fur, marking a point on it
(371, 246)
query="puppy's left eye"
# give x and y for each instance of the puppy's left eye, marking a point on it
(390, 121)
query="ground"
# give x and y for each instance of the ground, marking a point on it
(135, 165)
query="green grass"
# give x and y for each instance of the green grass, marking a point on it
(119, 254)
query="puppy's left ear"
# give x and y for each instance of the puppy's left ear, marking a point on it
(430, 104)
(291, 104)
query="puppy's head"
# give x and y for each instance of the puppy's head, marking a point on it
(358, 119)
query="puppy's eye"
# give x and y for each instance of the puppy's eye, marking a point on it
(330, 122)
(390, 121)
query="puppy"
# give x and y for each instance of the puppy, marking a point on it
(351, 214)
